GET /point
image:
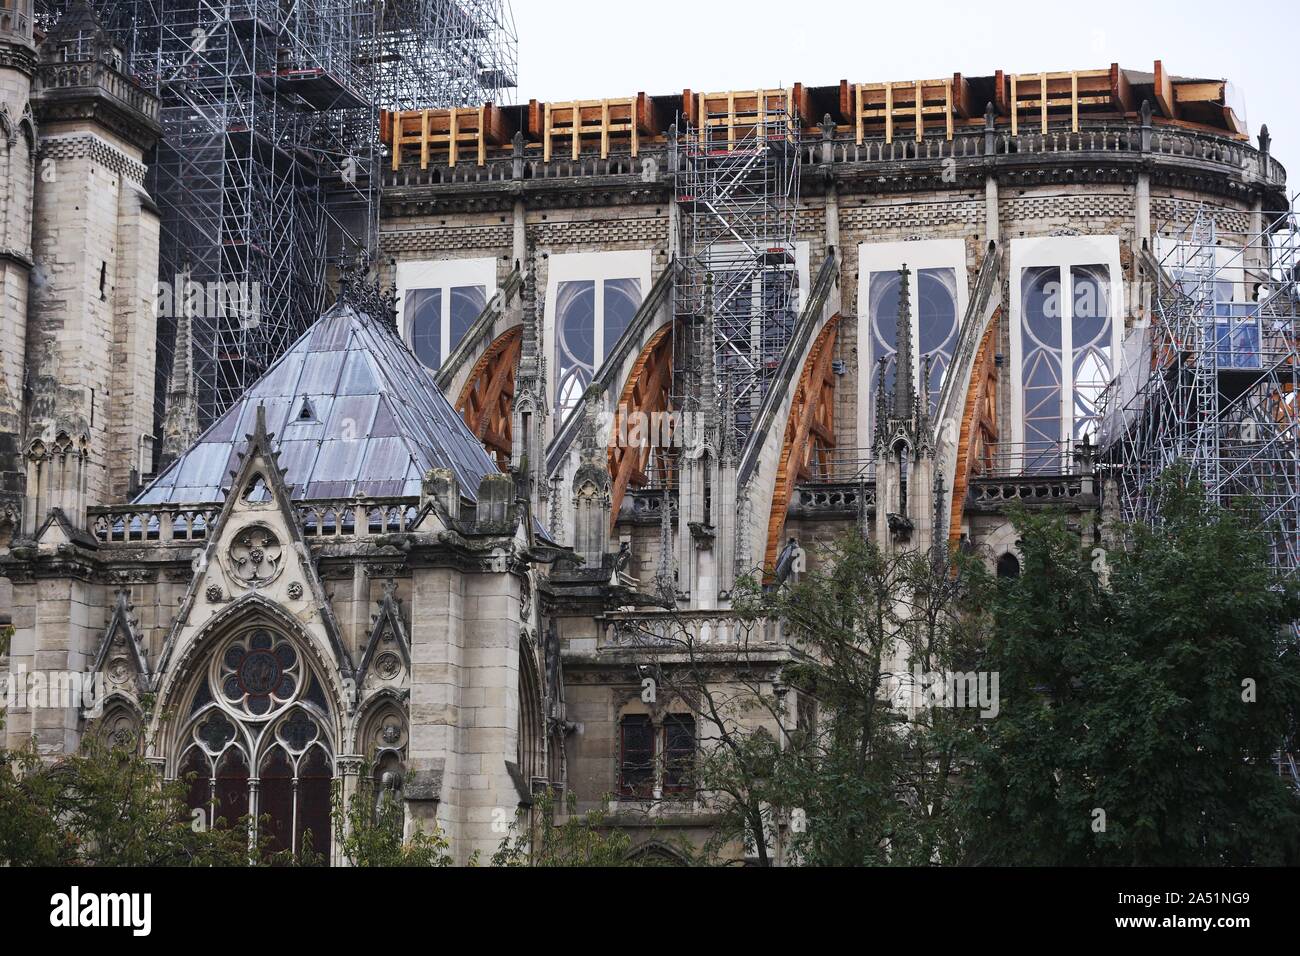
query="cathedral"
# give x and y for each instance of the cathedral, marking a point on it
(634, 350)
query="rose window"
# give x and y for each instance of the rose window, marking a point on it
(259, 673)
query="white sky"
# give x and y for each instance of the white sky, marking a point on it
(588, 49)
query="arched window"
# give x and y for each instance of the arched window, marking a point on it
(1008, 566)
(258, 742)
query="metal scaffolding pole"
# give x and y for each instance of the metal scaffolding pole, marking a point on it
(738, 188)
(1212, 381)
(265, 172)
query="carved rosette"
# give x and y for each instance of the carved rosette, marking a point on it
(255, 557)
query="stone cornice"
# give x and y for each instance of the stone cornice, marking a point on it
(94, 92)
(1111, 155)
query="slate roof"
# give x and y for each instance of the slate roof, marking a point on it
(352, 412)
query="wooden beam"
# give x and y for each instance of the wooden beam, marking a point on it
(1164, 92)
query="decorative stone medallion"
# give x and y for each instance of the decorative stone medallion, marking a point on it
(256, 557)
(388, 666)
(295, 591)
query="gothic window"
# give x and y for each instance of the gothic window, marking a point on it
(636, 756)
(679, 753)
(1008, 566)
(1090, 337)
(591, 315)
(1041, 377)
(933, 317)
(1064, 339)
(937, 295)
(439, 302)
(435, 331)
(424, 308)
(258, 742)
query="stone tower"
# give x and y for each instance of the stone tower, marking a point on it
(17, 155)
(90, 315)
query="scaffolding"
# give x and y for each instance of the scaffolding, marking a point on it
(1211, 380)
(738, 190)
(266, 173)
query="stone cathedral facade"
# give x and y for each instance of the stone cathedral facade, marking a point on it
(422, 547)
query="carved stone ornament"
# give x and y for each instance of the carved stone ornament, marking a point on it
(388, 666)
(295, 590)
(213, 593)
(256, 557)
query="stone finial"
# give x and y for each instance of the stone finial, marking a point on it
(1145, 112)
(880, 433)
(904, 389)
(990, 115)
(440, 484)
(1265, 140)
(495, 493)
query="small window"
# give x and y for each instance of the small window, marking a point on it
(637, 754)
(679, 753)
(1008, 566)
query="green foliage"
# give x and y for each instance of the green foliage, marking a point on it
(104, 807)
(579, 840)
(1125, 698)
(869, 782)
(369, 830)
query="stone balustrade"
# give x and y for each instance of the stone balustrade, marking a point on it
(321, 520)
(685, 631)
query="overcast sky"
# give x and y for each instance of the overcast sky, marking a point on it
(588, 49)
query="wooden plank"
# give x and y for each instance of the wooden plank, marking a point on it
(857, 111)
(546, 133)
(920, 118)
(1120, 89)
(1000, 102)
(1015, 106)
(482, 138)
(889, 113)
(1164, 92)
(1042, 92)
(424, 141)
(1074, 102)
(396, 141)
(947, 98)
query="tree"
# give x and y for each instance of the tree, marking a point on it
(369, 830)
(869, 781)
(104, 807)
(580, 840)
(1144, 691)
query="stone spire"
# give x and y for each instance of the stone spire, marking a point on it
(881, 430)
(180, 425)
(904, 389)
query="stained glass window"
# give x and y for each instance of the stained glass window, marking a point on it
(424, 307)
(1064, 311)
(438, 319)
(590, 316)
(934, 320)
(252, 709)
